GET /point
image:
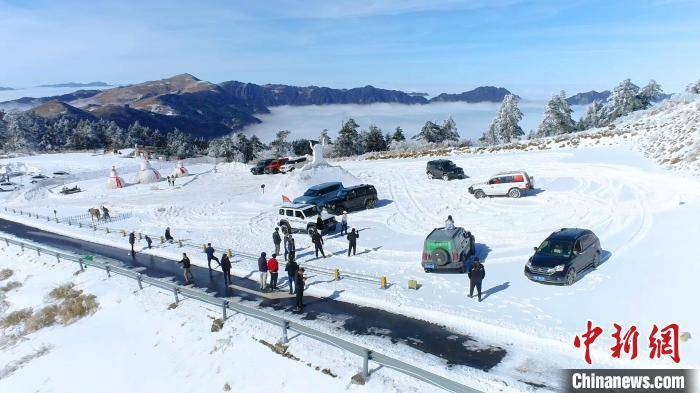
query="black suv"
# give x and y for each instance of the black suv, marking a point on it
(564, 254)
(259, 168)
(444, 169)
(359, 197)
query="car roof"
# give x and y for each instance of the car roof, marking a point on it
(444, 233)
(300, 206)
(510, 173)
(439, 160)
(569, 233)
(358, 186)
(324, 185)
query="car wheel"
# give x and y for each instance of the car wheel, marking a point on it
(478, 194)
(514, 193)
(369, 204)
(430, 175)
(440, 256)
(571, 276)
(445, 177)
(596, 260)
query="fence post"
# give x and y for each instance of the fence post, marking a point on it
(106, 230)
(22, 245)
(336, 274)
(80, 224)
(7, 242)
(179, 242)
(138, 279)
(56, 220)
(382, 282)
(80, 263)
(229, 253)
(162, 240)
(224, 306)
(58, 257)
(38, 252)
(70, 223)
(177, 300)
(107, 268)
(285, 326)
(140, 236)
(365, 363)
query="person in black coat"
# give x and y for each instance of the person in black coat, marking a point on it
(186, 267)
(292, 267)
(262, 268)
(289, 247)
(319, 223)
(132, 240)
(226, 268)
(277, 240)
(352, 241)
(149, 242)
(209, 250)
(168, 236)
(476, 276)
(318, 243)
(300, 282)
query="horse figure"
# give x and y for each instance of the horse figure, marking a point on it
(94, 214)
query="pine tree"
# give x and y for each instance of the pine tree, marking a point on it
(256, 148)
(623, 100)
(650, 93)
(324, 138)
(280, 147)
(593, 117)
(179, 144)
(373, 139)
(448, 131)
(429, 133)
(504, 127)
(557, 118)
(347, 142)
(398, 135)
(301, 147)
(693, 88)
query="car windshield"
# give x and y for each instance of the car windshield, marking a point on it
(557, 248)
(310, 212)
(449, 164)
(312, 193)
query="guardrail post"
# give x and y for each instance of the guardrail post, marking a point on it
(58, 257)
(177, 299)
(179, 242)
(382, 282)
(138, 279)
(365, 363)
(285, 326)
(224, 306)
(22, 246)
(82, 269)
(229, 253)
(107, 268)
(336, 274)
(38, 252)
(7, 242)
(56, 220)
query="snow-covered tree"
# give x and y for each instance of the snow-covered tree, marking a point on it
(301, 147)
(593, 117)
(429, 133)
(504, 127)
(224, 147)
(434, 133)
(179, 144)
(373, 139)
(324, 138)
(557, 118)
(348, 141)
(449, 131)
(256, 148)
(650, 93)
(398, 135)
(280, 147)
(623, 100)
(693, 88)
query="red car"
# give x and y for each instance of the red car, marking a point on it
(274, 166)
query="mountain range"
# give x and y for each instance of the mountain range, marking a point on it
(209, 110)
(77, 85)
(588, 97)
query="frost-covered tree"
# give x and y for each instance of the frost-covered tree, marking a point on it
(179, 144)
(504, 127)
(593, 117)
(280, 147)
(623, 100)
(557, 118)
(324, 138)
(348, 141)
(256, 148)
(224, 147)
(650, 93)
(398, 135)
(429, 133)
(693, 88)
(373, 139)
(434, 133)
(449, 130)
(301, 147)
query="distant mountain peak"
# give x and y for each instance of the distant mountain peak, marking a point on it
(78, 84)
(588, 97)
(479, 94)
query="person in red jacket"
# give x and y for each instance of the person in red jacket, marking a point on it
(273, 267)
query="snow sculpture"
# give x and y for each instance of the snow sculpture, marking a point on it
(147, 174)
(114, 180)
(180, 171)
(317, 160)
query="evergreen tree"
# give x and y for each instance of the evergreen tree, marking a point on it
(557, 118)
(448, 131)
(398, 135)
(179, 144)
(280, 147)
(430, 132)
(593, 117)
(623, 100)
(324, 138)
(256, 148)
(223, 147)
(504, 127)
(373, 139)
(693, 88)
(347, 142)
(650, 93)
(301, 147)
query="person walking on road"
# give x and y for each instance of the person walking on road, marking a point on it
(149, 242)
(344, 223)
(262, 268)
(352, 241)
(226, 268)
(300, 282)
(318, 243)
(209, 250)
(186, 267)
(476, 276)
(291, 268)
(289, 247)
(276, 240)
(273, 268)
(132, 240)
(168, 236)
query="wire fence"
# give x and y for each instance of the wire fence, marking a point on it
(367, 354)
(83, 221)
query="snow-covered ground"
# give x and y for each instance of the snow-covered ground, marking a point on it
(645, 216)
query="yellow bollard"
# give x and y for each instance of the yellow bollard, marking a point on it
(123, 232)
(382, 282)
(229, 253)
(336, 274)
(412, 284)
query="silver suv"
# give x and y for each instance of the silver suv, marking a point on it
(298, 217)
(513, 184)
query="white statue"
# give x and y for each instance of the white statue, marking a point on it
(317, 160)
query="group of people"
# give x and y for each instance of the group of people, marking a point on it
(132, 241)
(171, 180)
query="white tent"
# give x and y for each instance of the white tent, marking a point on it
(114, 180)
(147, 174)
(180, 171)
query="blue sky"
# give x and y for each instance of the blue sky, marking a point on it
(533, 48)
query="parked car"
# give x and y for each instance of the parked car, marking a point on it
(352, 198)
(8, 186)
(444, 169)
(274, 165)
(512, 184)
(563, 255)
(293, 163)
(38, 178)
(61, 173)
(320, 194)
(259, 168)
(445, 249)
(300, 217)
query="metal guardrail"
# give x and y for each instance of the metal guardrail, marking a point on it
(78, 221)
(285, 324)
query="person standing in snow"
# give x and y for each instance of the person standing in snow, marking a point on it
(344, 223)
(186, 267)
(299, 283)
(352, 241)
(168, 236)
(476, 275)
(289, 247)
(291, 268)
(226, 268)
(168, 181)
(149, 242)
(209, 250)
(319, 223)
(276, 240)
(318, 243)
(273, 268)
(105, 213)
(449, 223)
(262, 268)
(132, 240)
